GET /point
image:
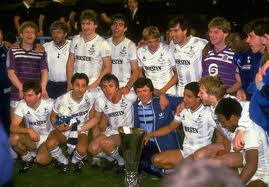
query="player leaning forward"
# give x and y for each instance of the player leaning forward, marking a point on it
(35, 112)
(118, 109)
(77, 104)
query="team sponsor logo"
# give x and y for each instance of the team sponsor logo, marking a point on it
(123, 51)
(116, 114)
(213, 69)
(153, 68)
(83, 58)
(92, 50)
(37, 123)
(117, 61)
(183, 62)
(191, 129)
(80, 113)
(161, 115)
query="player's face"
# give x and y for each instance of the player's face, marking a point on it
(118, 28)
(153, 44)
(266, 41)
(31, 99)
(255, 42)
(28, 35)
(144, 94)
(177, 34)
(110, 90)
(217, 36)
(79, 87)
(230, 124)
(190, 100)
(88, 27)
(58, 36)
(204, 96)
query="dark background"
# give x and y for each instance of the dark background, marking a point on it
(198, 11)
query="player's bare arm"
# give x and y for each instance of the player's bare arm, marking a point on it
(70, 69)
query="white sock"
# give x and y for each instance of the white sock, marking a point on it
(58, 155)
(27, 157)
(115, 154)
(77, 157)
(105, 156)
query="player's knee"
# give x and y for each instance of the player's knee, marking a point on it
(51, 144)
(93, 148)
(106, 144)
(42, 160)
(156, 160)
(14, 139)
(82, 149)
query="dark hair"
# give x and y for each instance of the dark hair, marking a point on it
(257, 26)
(80, 76)
(142, 82)
(32, 85)
(89, 14)
(120, 17)
(193, 87)
(59, 25)
(109, 77)
(228, 107)
(183, 23)
(266, 26)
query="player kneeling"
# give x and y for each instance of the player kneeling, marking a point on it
(29, 141)
(70, 112)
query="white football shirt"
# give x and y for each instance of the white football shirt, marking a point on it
(188, 59)
(122, 55)
(158, 66)
(89, 55)
(37, 119)
(57, 59)
(78, 110)
(119, 114)
(198, 127)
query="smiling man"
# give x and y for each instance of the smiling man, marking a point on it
(89, 52)
(79, 102)
(156, 62)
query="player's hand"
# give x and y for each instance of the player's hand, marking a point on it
(20, 94)
(147, 138)
(163, 102)
(180, 108)
(39, 48)
(265, 67)
(93, 85)
(45, 94)
(125, 90)
(259, 77)
(239, 140)
(241, 95)
(33, 135)
(83, 128)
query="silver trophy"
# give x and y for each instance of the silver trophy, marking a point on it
(132, 142)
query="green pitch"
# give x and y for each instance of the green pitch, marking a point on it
(47, 176)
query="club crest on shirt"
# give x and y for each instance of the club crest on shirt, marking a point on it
(123, 51)
(28, 114)
(92, 50)
(46, 110)
(144, 58)
(161, 59)
(225, 57)
(123, 103)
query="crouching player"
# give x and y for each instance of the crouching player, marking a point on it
(198, 125)
(79, 103)
(118, 109)
(35, 112)
(254, 164)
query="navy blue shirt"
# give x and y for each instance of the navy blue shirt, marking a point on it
(4, 80)
(248, 64)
